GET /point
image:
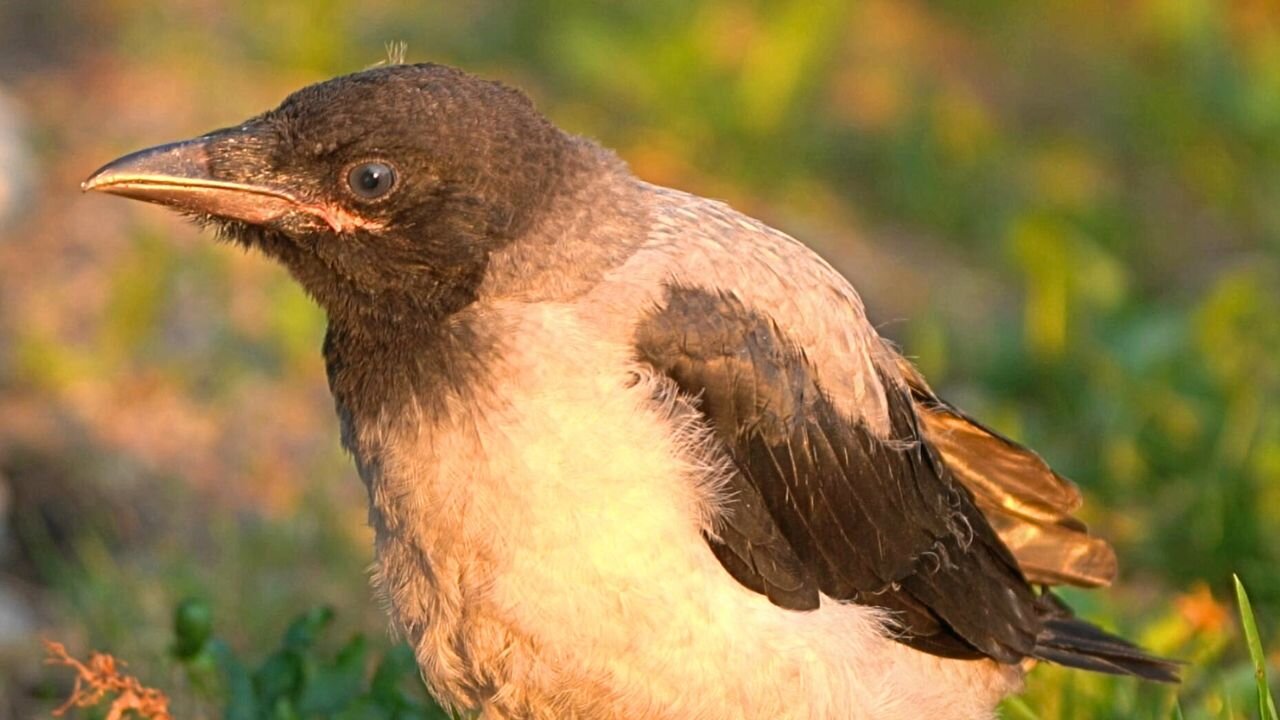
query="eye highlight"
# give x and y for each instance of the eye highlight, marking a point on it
(371, 180)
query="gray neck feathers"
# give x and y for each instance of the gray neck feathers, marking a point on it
(598, 220)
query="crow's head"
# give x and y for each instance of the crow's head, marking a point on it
(383, 192)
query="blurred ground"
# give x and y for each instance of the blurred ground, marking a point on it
(1069, 212)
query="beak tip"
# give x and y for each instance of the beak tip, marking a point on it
(100, 178)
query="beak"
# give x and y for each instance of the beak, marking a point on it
(178, 175)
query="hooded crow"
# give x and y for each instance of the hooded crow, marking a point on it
(629, 453)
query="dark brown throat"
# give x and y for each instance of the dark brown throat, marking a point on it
(381, 380)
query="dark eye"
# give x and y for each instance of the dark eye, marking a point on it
(371, 180)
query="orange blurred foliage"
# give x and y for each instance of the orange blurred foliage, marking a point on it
(101, 678)
(1204, 613)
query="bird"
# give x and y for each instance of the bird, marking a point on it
(630, 453)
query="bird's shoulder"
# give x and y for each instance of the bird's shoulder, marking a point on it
(695, 242)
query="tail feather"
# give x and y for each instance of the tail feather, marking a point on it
(1075, 643)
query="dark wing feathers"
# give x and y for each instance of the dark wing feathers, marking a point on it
(879, 523)
(752, 549)
(1069, 641)
(1028, 503)
(821, 503)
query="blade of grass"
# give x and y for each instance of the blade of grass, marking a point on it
(1016, 708)
(1266, 704)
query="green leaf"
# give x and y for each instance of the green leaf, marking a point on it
(330, 688)
(1266, 704)
(192, 626)
(204, 675)
(279, 677)
(435, 712)
(302, 632)
(283, 709)
(397, 664)
(430, 711)
(365, 709)
(242, 703)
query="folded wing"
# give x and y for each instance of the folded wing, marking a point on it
(824, 504)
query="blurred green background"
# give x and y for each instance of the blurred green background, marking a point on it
(1067, 210)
